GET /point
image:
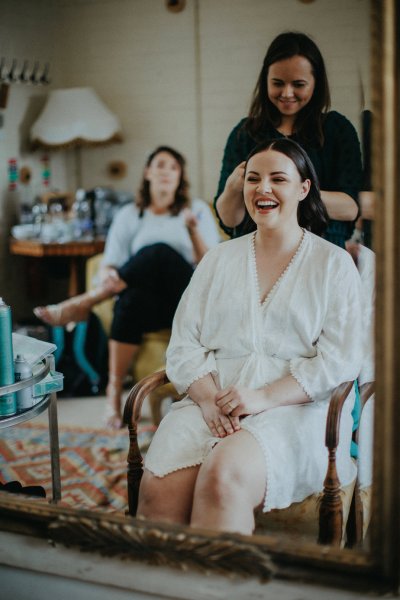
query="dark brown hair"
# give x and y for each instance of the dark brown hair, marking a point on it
(311, 212)
(182, 199)
(308, 124)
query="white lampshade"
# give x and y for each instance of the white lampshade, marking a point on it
(75, 117)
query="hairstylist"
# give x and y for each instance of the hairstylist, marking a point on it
(291, 99)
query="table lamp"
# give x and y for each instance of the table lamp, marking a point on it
(73, 118)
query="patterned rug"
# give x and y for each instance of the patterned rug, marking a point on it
(93, 463)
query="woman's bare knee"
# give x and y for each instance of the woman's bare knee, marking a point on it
(228, 473)
(219, 482)
(150, 495)
(167, 498)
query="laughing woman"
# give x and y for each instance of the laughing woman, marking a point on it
(250, 432)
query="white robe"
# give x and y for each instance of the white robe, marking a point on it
(309, 325)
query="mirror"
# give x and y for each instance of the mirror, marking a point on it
(196, 133)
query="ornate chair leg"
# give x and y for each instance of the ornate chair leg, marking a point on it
(331, 509)
(135, 470)
(131, 418)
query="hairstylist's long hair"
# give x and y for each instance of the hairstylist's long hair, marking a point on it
(311, 212)
(309, 121)
(182, 199)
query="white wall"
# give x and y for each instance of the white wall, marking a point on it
(182, 79)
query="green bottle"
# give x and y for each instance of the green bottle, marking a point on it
(8, 403)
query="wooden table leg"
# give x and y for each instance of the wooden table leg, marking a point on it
(36, 281)
(73, 287)
(54, 449)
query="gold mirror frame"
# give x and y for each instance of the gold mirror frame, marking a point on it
(266, 556)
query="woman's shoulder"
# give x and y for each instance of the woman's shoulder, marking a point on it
(239, 126)
(228, 249)
(239, 131)
(197, 204)
(326, 253)
(125, 218)
(231, 249)
(335, 121)
(127, 211)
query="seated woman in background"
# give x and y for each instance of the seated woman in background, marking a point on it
(269, 325)
(151, 250)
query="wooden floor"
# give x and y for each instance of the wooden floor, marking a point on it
(83, 412)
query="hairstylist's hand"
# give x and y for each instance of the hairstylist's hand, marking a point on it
(238, 401)
(234, 183)
(111, 280)
(220, 425)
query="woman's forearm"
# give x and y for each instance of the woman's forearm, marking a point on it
(199, 246)
(367, 200)
(340, 206)
(239, 401)
(285, 392)
(230, 208)
(203, 389)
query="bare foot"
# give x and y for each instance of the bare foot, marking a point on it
(112, 414)
(112, 419)
(74, 309)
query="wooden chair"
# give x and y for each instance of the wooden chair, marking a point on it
(327, 511)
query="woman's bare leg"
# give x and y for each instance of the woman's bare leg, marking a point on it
(231, 483)
(120, 357)
(77, 309)
(168, 498)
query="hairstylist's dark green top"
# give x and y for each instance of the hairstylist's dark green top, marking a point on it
(337, 163)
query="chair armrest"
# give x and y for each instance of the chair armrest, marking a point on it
(132, 411)
(366, 391)
(336, 404)
(138, 393)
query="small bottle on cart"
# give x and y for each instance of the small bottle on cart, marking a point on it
(23, 370)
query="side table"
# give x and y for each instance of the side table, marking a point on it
(74, 251)
(48, 402)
